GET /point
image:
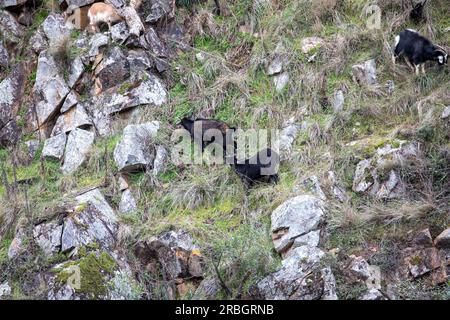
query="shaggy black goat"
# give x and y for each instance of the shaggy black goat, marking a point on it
(417, 50)
(259, 168)
(416, 14)
(203, 125)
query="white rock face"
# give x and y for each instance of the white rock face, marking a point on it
(159, 164)
(152, 91)
(76, 117)
(287, 283)
(48, 237)
(78, 145)
(294, 218)
(135, 149)
(446, 113)
(127, 203)
(54, 147)
(365, 73)
(50, 85)
(5, 290)
(338, 101)
(96, 198)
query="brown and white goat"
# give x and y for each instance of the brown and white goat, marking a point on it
(102, 13)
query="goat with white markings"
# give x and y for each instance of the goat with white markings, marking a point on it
(417, 50)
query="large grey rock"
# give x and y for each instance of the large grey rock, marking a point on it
(446, 113)
(135, 150)
(127, 203)
(443, 239)
(88, 226)
(55, 29)
(135, 25)
(97, 41)
(4, 56)
(175, 251)
(154, 10)
(70, 101)
(48, 237)
(151, 91)
(290, 283)
(365, 73)
(50, 86)
(76, 70)
(329, 286)
(152, 42)
(76, 117)
(78, 145)
(11, 3)
(12, 31)
(294, 218)
(54, 147)
(113, 70)
(96, 198)
(11, 95)
(120, 32)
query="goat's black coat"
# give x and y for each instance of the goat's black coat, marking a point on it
(416, 14)
(250, 170)
(418, 49)
(207, 124)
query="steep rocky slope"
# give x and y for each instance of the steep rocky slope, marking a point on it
(93, 204)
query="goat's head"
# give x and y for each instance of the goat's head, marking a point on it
(441, 55)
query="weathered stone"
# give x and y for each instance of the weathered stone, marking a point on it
(329, 286)
(88, 226)
(56, 30)
(310, 43)
(11, 3)
(294, 218)
(152, 42)
(76, 117)
(287, 138)
(73, 4)
(113, 70)
(127, 203)
(338, 101)
(359, 268)
(310, 239)
(292, 282)
(54, 147)
(78, 145)
(280, 81)
(446, 113)
(207, 290)
(135, 25)
(70, 101)
(32, 148)
(423, 238)
(97, 41)
(12, 31)
(4, 56)
(96, 198)
(11, 94)
(312, 184)
(135, 149)
(275, 66)
(176, 252)
(156, 10)
(159, 164)
(443, 239)
(39, 41)
(50, 86)
(422, 261)
(17, 246)
(48, 237)
(10, 134)
(151, 91)
(119, 32)
(336, 190)
(373, 294)
(76, 70)
(5, 290)
(365, 73)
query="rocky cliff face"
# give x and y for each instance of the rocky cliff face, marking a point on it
(94, 206)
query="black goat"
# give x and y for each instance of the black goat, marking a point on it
(417, 50)
(416, 14)
(259, 168)
(203, 125)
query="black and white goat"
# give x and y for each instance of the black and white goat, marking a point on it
(417, 50)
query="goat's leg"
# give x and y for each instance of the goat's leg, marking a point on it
(423, 69)
(394, 58)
